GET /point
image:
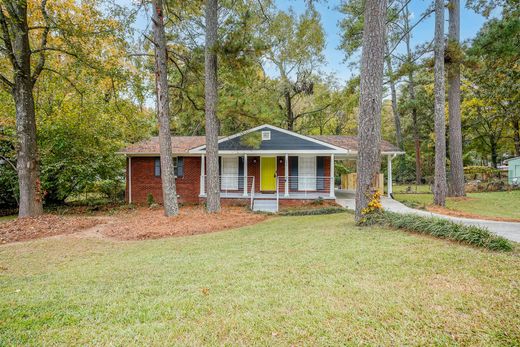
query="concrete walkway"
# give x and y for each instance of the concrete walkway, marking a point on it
(509, 230)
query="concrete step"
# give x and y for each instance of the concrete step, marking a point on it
(265, 206)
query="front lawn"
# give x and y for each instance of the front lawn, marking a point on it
(316, 280)
(490, 204)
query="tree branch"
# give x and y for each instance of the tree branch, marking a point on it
(7, 39)
(310, 112)
(43, 43)
(65, 78)
(6, 83)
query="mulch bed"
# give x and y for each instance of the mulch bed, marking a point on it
(29, 228)
(151, 223)
(140, 224)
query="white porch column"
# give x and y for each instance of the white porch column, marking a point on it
(389, 174)
(332, 195)
(202, 176)
(245, 175)
(129, 180)
(286, 172)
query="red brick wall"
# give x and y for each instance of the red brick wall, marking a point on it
(188, 186)
(144, 181)
(253, 169)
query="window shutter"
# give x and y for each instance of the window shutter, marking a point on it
(240, 172)
(180, 167)
(320, 173)
(293, 172)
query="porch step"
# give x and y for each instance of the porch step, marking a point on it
(265, 205)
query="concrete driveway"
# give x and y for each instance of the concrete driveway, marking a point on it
(509, 230)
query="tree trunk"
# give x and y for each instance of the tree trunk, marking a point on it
(27, 148)
(411, 92)
(288, 108)
(439, 188)
(455, 137)
(371, 94)
(494, 153)
(393, 92)
(211, 97)
(171, 207)
(516, 135)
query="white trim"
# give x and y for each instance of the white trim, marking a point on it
(202, 176)
(326, 144)
(331, 183)
(129, 180)
(281, 152)
(389, 175)
(245, 174)
(352, 154)
(286, 169)
(275, 166)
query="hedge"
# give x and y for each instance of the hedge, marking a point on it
(442, 228)
(313, 211)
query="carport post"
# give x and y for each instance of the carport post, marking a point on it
(389, 183)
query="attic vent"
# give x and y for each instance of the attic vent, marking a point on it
(266, 135)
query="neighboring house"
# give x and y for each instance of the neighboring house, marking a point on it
(263, 166)
(514, 171)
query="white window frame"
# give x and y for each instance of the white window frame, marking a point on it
(229, 176)
(266, 135)
(307, 180)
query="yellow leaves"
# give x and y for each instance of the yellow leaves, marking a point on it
(374, 204)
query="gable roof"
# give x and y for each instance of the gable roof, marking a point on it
(281, 140)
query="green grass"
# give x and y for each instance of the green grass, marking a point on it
(491, 204)
(403, 188)
(316, 280)
(7, 218)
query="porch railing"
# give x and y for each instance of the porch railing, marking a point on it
(305, 186)
(233, 186)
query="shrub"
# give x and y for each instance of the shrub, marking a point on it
(150, 200)
(313, 212)
(442, 228)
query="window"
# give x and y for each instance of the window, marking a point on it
(307, 173)
(229, 180)
(266, 135)
(178, 167)
(157, 167)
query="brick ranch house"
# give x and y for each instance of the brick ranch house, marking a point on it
(264, 166)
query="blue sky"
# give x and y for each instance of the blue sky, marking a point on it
(471, 23)
(330, 16)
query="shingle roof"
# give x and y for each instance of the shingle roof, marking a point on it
(351, 142)
(182, 144)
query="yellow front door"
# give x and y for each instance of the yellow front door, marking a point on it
(268, 173)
